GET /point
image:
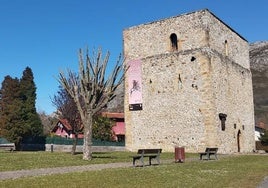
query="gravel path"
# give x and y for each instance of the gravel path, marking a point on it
(264, 183)
(59, 170)
(62, 170)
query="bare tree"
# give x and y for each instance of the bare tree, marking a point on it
(92, 90)
(48, 122)
(66, 108)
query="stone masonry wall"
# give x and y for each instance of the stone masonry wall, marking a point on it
(184, 91)
(171, 114)
(233, 96)
(154, 38)
(227, 42)
(195, 30)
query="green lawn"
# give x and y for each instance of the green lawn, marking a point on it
(233, 171)
(32, 160)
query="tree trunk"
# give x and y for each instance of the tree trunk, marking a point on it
(87, 147)
(74, 144)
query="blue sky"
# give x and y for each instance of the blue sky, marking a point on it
(46, 34)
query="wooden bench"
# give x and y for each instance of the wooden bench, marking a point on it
(208, 153)
(9, 147)
(150, 153)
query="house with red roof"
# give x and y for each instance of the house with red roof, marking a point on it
(64, 129)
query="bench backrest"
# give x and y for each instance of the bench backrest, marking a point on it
(9, 145)
(149, 151)
(211, 150)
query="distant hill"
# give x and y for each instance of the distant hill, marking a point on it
(259, 67)
(117, 104)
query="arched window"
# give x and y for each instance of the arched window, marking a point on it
(174, 42)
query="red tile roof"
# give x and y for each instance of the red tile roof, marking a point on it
(66, 124)
(113, 115)
(261, 125)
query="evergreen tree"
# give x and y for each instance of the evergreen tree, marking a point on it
(18, 116)
(11, 126)
(102, 128)
(264, 137)
(29, 115)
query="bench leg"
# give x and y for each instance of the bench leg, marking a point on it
(154, 157)
(215, 155)
(158, 161)
(150, 160)
(134, 162)
(202, 156)
(140, 159)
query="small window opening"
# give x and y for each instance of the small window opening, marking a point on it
(174, 42)
(223, 119)
(180, 82)
(226, 47)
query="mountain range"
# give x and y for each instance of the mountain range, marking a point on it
(258, 54)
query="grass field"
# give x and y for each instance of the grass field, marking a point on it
(231, 171)
(33, 160)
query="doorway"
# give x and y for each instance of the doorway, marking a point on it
(238, 140)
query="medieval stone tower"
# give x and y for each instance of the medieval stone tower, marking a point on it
(188, 84)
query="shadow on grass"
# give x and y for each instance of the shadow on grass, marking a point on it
(99, 155)
(103, 155)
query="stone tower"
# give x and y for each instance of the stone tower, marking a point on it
(188, 84)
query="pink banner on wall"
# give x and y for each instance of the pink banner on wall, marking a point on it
(135, 85)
